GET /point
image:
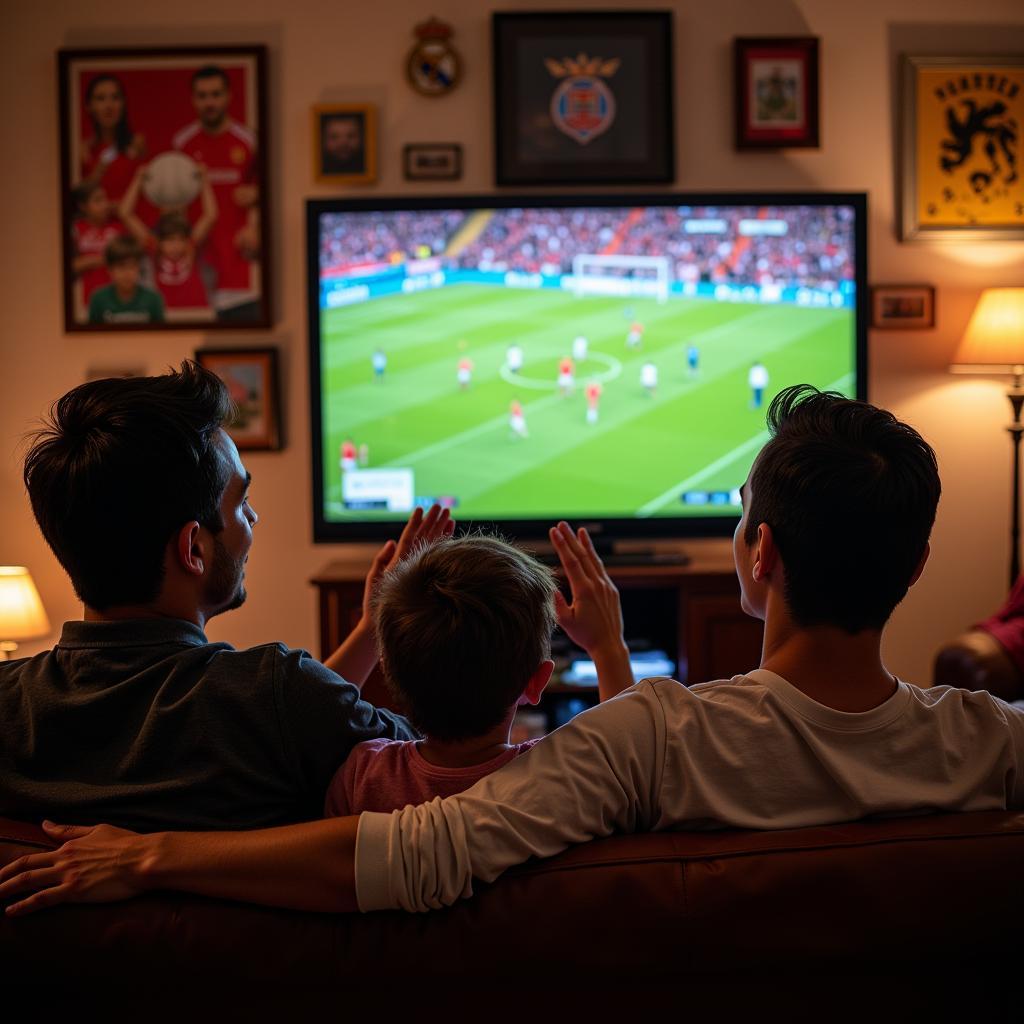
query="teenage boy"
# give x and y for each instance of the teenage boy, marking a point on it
(837, 511)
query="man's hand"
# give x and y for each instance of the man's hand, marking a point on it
(97, 864)
(594, 619)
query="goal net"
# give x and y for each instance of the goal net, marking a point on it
(621, 275)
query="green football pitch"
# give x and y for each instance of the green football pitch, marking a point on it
(697, 432)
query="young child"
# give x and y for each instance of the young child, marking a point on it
(174, 245)
(94, 228)
(464, 628)
(125, 300)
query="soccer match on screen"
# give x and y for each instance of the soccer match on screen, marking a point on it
(550, 362)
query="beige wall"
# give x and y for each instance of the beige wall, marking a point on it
(321, 50)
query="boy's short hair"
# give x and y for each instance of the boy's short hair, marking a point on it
(462, 624)
(173, 223)
(850, 494)
(81, 194)
(121, 250)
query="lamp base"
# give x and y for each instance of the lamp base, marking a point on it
(7, 648)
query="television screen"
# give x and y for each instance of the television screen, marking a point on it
(607, 360)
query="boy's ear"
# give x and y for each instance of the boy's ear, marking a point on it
(536, 683)
(766, 554)
(189, 549)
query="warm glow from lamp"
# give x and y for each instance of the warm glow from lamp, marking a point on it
(994, 339)
(22, 616)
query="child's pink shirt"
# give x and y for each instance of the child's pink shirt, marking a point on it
(385, 775)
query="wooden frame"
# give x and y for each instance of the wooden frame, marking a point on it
(252, 380)
(163, 151)
(960, 176)
(345, 143)
(902, 307)
(432, 161)
(583, 97)
(776, 92)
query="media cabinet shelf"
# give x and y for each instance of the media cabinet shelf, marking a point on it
(692, 611)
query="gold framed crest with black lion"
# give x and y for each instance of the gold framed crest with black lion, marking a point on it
(961, 126)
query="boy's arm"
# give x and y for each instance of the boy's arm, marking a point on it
(209, 213)
(126, 209)
(594, 619)
(355, 658)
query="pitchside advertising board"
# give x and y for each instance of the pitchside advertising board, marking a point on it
(537, 359)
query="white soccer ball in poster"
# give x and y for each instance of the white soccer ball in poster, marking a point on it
(171, 180)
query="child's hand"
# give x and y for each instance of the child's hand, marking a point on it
(594, 619)
(420, 529)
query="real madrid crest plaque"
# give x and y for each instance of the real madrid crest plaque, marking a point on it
(433, 66)
(583, 98)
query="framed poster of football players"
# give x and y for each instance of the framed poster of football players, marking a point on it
(583, 98)
(776, 92)
(252, 382)
(960, 173)
(163, 188)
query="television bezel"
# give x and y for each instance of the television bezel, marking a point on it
(603, 528)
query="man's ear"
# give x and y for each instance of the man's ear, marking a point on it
(189, 549)
(536, 683)
(766, 554)
(920, 565)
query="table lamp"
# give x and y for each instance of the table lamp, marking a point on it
(22, 616)
(994, 343)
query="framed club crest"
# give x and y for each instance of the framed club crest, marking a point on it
(960, 170)
(583, 98)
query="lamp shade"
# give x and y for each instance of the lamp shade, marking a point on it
(994, 339)
(22, 616)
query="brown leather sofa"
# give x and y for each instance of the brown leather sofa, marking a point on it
(921, 914)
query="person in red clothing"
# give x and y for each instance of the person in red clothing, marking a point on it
(566, 376)
(93, 229)
(173, 246)
(464, 373)
(228, 151)
(989, 656)
(441, 614)
(113, 153)
(593, 393)
(349, 455)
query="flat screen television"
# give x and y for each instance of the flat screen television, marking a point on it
(606, 359)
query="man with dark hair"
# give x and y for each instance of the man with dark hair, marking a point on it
(134, 716)
(227, 149)
(837, 511)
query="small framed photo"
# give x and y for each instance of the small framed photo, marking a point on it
(432, 161)
(251, 378)
(960, 174)
(902, 307)
(583, 98)
(164, 188)
(345, 143)
(776, 92)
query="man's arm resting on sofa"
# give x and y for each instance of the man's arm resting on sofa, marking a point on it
(310, 866)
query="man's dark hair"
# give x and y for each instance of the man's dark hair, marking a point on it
(850, 495)
(118, 468)
(211, 71)
(122, 249)
(462, 625)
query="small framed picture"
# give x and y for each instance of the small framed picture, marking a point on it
(959, 176)
(345, 144)
(164, 188)
(251, 378)
(776, 92)
(902, 307)
(432, 161)
(583, 98)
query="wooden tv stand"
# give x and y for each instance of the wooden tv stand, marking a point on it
(691, 610)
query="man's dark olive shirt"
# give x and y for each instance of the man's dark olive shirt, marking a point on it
(148, 725)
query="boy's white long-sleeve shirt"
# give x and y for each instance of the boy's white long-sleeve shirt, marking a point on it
(750, 752)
